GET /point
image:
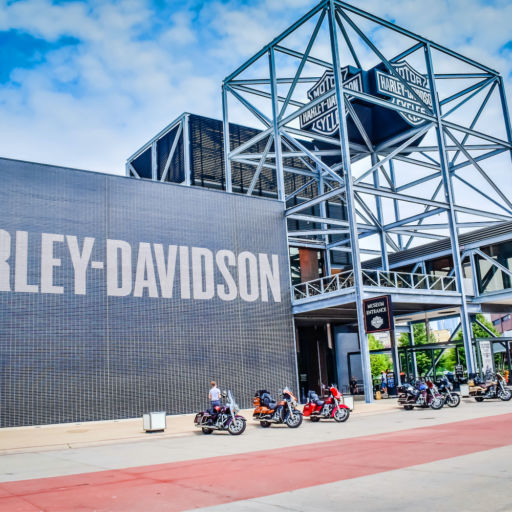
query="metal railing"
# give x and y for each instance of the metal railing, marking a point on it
(374, 278)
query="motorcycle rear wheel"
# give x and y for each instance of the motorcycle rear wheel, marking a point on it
(294, 420)
(341, 414)
(265, 424)
(436, 404)
(505, 395)
(237, 426)
(453, 400)
(314, 419)
(408, 407)
(207, 430)
(479, 398)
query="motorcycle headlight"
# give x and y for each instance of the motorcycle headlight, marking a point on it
(236, 409)
(293, 403)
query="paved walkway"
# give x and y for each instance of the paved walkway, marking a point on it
(453, 459)
(74, 435)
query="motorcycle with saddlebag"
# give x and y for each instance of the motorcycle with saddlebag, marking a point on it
(329, 407)
(493, 386)
(268, 411)
(451, 399)
(423, 394)
(222, 417)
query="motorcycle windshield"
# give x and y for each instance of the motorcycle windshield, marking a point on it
(288, 394)
(231, 402)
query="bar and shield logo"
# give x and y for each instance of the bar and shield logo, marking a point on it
(323, 118)
(389, 85)
(378, 314)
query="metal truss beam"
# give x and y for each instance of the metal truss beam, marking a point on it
(328, 161)
(412, 35)
(340, 191)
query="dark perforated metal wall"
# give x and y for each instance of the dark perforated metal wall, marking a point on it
(68, 356)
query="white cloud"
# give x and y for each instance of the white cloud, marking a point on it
(93, 104)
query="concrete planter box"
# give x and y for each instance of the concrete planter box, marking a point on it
(154, 421)
(349, 402)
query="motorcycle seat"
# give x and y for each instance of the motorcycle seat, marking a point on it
(268, 401)
(319, 402)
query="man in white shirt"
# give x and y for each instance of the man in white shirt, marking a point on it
(214, 395)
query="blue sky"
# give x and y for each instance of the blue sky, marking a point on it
(84, 84)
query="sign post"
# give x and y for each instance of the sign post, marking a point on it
(378, 317)
(487, 357)
(378, 314)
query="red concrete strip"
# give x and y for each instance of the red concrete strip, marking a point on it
(213, 481)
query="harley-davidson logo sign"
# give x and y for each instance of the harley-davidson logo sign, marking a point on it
(389, 85)
(323, 117)
(378, 314)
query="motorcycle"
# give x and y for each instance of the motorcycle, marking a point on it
(445, 388)
(222, 417)
(422, 395)
(489, 388)
(330, 407)
(268, 411)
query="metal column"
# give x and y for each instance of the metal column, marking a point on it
(349, 195)
(281, 193)
(396, 358)
(414, 364)
(227, 149)
(506, 116)
(452, 221)
(378, 202)
(323, 214)
(154, 162)
(186, 151)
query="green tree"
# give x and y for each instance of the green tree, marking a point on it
(423, 359)
(378, 362)
(449, 360)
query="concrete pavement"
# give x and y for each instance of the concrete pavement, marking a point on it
(471, 483)
(185, 462)
(75, 435)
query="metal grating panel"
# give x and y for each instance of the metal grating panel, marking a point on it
(72, 357)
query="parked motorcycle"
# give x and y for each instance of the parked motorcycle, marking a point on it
(494, 386)
(445, 388)
(268, 411)
(329, 407)
(424, 394)
(222, 417)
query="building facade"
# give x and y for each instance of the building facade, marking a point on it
(118, 296)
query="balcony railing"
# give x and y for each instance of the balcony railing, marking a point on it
(374, 278)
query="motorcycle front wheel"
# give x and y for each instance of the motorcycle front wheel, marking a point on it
(453, 400)
(437, 403)
(341, 414)
(505, 395)
(237, 426)
(294, 420)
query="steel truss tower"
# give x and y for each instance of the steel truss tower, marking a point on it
(446, 173)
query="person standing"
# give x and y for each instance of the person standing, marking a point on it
(353, 386)
(383, 382)
(214, 395)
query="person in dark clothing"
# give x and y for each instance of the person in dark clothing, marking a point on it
(353, 386)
